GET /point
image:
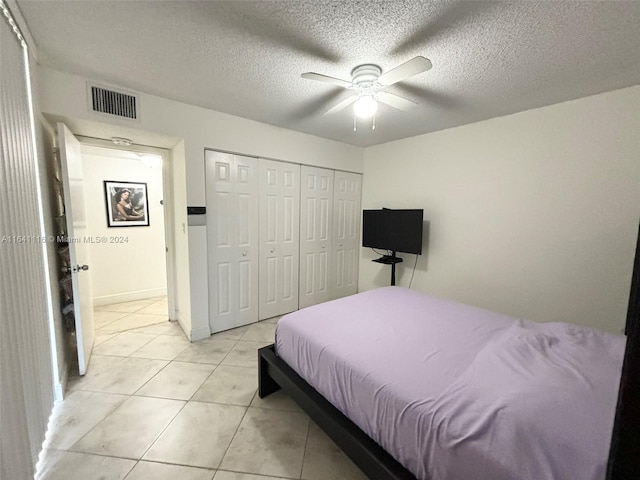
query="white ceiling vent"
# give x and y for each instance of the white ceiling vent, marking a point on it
(113, 103)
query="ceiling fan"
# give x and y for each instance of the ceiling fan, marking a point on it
(368, 83)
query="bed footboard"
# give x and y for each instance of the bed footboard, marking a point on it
(373, 460)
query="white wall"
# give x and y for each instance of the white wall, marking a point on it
(197, 128)
(136, 269)
(533, 214)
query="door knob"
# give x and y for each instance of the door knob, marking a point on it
(271, 250)
(244, 254)
(323, 245)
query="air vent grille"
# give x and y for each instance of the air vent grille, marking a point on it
(113, 103)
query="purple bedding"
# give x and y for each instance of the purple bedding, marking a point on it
(455, 392)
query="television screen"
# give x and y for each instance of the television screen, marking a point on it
(395, 230)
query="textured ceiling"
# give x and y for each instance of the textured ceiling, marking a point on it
(246, 57)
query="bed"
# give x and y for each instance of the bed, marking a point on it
(412, 386)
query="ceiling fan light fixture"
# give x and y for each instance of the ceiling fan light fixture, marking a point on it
(368, 83)
(365, 107)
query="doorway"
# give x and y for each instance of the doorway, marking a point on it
(116, 206)
(124, 192)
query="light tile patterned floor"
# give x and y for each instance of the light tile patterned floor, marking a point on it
(119, 317)
(154, 406)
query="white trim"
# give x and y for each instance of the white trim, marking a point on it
(129, 296)
(61, 386)
(169, 215)
(199, 334)
(184, 329)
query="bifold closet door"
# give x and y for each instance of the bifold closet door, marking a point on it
(346, 233)
(232, 235)
(316, 205)
(279, 238)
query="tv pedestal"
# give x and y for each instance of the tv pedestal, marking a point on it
(390, 260)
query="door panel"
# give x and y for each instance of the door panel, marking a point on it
(279, 237)
(224, 284)
(245, 290)
(307, 274)
(324, 219)
(232, 207)
(311, 219)
(346, 228)
(271, 272)
(244, 217)
(290, 272)
(315, 246)
(248, 193)
(74, 206)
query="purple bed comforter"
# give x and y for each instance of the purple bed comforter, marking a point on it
(455, 392)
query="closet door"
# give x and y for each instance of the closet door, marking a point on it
(232, 236)
(316, 199)
(279, 237)
(346, 233)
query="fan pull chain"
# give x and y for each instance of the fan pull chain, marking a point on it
(355, 123)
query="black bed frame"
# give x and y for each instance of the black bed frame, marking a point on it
(377, 464)
(624, 456)
(274, 373)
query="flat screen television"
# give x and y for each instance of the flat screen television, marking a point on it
(395, 230)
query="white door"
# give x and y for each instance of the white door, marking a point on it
(346, 233)
(232, 237)
(316, 204)
(73, 184)
(279, 237)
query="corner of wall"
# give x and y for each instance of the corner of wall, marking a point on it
(182, 280)
(200, 333)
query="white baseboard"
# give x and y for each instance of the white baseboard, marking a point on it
(192, 335)
(128, 296)
(61, 386)
(200, 334)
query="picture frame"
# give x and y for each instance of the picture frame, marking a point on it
(127, 204)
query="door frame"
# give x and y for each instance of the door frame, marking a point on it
(167, 201)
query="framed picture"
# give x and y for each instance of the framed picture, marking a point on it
(127, 204)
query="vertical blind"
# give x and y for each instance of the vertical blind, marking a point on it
(26, 377)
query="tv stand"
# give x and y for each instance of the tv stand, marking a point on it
(390, 260)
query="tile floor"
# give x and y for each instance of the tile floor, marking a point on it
(120, 317)
(154, 406)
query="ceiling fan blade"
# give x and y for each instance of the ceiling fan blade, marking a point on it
(408, 69)
(342, 105)
(327, 79)
(428, 96)
(395, 101)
